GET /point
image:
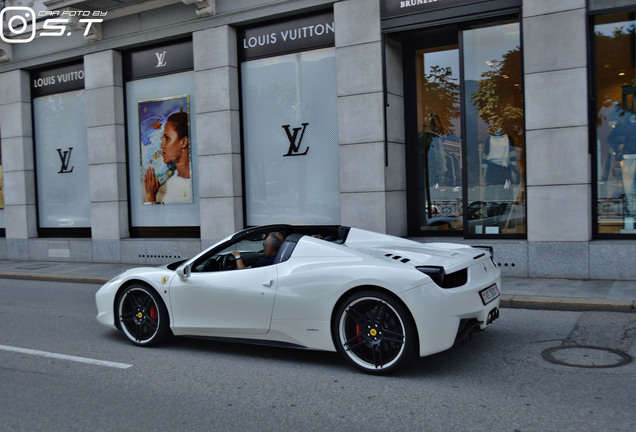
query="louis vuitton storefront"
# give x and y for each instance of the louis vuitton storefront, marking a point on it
(288, 95)
(502, 122)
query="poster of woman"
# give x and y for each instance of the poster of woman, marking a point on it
(164, 133)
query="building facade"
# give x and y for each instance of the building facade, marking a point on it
(141, 132)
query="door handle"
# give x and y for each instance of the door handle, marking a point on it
(268, 283)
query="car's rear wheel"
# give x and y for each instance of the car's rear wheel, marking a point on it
(374, 332)
(142, 316)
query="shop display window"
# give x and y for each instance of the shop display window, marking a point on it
(61, 152)
(290, 125)
(2, 223)
(494, 130)
(614, 118)
(158, 108)
(162, 142)
(467, 157)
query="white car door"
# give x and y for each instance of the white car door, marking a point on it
(222, 302)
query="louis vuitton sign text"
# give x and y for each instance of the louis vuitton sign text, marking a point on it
(282, 37)
(57, 80)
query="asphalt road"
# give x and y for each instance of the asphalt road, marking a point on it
(498, 382)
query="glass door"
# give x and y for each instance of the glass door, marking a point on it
(465, 128)
(494, 130)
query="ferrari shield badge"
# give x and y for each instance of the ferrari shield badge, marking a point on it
(164, 279)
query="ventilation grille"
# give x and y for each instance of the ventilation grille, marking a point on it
(397, 257)
(160, 256)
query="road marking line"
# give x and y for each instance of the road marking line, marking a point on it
(66, 357)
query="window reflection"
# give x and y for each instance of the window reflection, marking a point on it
(615, 49)
(494, 130)
(439, 138)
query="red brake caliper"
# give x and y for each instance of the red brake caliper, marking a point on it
(153, 312)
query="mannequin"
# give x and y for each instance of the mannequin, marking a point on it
(500, 155)
(628, 166)
(498, 148)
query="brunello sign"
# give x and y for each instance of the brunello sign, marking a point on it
(394, 8)
(282, 37)
(57, 80)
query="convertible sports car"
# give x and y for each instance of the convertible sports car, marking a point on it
(377, 299)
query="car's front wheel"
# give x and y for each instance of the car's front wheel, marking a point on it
(142, 316)
(374, 332)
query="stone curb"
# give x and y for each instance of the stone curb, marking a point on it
(567, 303)
(510, 301)
(53, 277)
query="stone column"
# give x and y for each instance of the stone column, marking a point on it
(557, 160)
(372, 195)
(106, 153)
(218, 129)
(17, 162)
(395, 172)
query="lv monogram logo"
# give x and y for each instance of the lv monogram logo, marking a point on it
(294, 147)
(65, 157)
(161, 59)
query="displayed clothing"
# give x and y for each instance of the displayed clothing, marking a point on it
(499, 157)
(628, 168)
(622, 139)
(176, 190)
(498, 149)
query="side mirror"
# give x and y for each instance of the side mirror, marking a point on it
(184, 271)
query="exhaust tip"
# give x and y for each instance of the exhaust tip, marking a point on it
(492, 316)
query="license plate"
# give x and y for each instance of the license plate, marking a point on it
(489, 294)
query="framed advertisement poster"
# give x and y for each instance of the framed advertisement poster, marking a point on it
(165, 150)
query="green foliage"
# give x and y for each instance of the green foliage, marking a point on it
(499, 95)
(441, 92)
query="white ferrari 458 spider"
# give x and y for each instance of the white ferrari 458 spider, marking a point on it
(377, 299)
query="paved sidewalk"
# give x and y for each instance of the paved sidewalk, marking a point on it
(526, 293)
(96, 273)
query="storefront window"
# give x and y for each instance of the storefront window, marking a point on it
(61, 151)
(439, 138)
(2, 224)
(162, 142)
(470, 132)
(494, 130)
(615, 52)
(290, 123)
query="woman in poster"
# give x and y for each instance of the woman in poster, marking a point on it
(175, 150)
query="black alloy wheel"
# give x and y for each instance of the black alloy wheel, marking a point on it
(142, 316)
(374, 332)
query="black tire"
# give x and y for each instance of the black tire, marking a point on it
(374, 332)
(142, 316)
